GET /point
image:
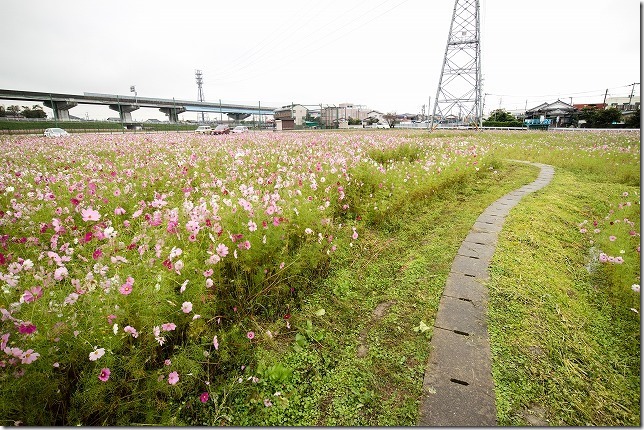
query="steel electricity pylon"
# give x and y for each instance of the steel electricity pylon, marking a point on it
(199, 79)
(458, 97)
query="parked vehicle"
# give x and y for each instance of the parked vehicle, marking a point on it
(55, 132)
(204, 129)
(381, 125)
(240, 129)
(221, 129)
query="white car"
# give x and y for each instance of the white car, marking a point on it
(240, 129)
(55, 132)
(381, 125)
(204, 129)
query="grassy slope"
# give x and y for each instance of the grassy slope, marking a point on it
(382, 288)
(563, 347)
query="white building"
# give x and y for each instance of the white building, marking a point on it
(331, 115)
(623, 103)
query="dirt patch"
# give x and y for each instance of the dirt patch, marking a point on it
(535, 415)
(381, 310)
(378, 313)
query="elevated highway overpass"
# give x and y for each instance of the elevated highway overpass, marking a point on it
(61, 104)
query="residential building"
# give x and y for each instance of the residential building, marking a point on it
(560, 113)
(296, 113)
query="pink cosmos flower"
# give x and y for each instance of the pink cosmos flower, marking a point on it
(32, 294)
(96, 354)
(125, 289)
(250, 335)
(90, 214)
(5, 338)
(60, 273)
(168, 326)
(111, 318)
(222, 250)
(215, 342)
(105, 374)
(131, 330)
(204, 397)
(29, 356)
(208, 273)
(354, 236)
(173, 378)
(167, 362)
(252, 226)
(635, 287)
(119, 211)
(612, 238)
(186, 307)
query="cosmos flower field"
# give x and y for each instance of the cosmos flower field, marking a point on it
(143, 262)
(144, 268)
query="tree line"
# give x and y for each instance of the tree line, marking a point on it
(591, 116)
(35, 111)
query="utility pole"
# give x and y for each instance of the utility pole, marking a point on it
(630, 99)
(605, 94)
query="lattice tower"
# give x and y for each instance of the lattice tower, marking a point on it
(458, 97)
(200, 96)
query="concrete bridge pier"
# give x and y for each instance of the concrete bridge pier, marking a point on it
(61, 108)
(238, 116)
(172, 113)
(125, 111)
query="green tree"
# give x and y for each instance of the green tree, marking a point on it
(634, 120)
(391, 119)
(13, 110)
(3, 112)
(600, 118)
(33, 112)
(501, 115)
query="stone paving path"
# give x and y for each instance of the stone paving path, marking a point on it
(458, 389)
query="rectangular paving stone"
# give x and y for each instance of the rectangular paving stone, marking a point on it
(470, 266)
(497, 210)
(483, 238)
(489, 218)
(458, 389)
(461, 316)
(460, 286)
(471, 249)
(487, 227)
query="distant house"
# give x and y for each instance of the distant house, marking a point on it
(291, 113)
(560, 113)
(374, 117)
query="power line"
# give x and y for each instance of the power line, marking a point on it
(308, 50)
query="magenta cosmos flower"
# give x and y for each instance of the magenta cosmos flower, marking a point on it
(105, 374)
(204, 397)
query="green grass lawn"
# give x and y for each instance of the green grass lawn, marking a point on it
(565, 342)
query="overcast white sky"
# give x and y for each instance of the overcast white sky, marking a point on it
(384, 54)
